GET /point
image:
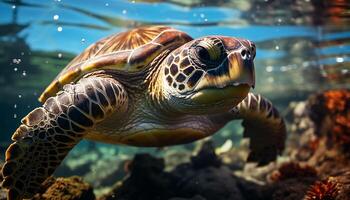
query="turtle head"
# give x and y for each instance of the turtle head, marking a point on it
(209, 73)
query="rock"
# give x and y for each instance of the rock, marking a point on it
(197, 197)
(250, 190)
(211, 183)
(72, 188)
(293, 170)
(147, 181)
(206, 156)
(204, 176)
(290, 189)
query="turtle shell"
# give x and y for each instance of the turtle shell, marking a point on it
(129, 51)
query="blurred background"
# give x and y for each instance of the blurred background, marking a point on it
(303, 46)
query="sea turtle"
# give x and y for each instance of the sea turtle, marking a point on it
(149, 86)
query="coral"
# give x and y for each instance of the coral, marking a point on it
(330, 111)
(343, 180)
(2, 190)
(293, 170)
(327, 189)
(337, 100)
(290, 189)
(72, 188)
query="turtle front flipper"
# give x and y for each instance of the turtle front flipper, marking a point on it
(49, 132)
(263, 126)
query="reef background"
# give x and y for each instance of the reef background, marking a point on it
(314, 166)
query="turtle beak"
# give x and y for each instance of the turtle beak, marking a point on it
(241, 54)
(237, 69)
(241, 68)
(232, 79)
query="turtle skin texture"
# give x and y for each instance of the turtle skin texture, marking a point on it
(149, 87)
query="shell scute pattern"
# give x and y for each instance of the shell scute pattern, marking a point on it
(129, 51)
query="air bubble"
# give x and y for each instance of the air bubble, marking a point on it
(283, 68)
(339, 59)
(56, 17)
(19, 96)
(15, 106)
(82, 40)
(106, 4)
(202, 15)
(59, 29)
(15, 116)
(15, 69)
(24, 73)
(59, 55)
(13, 7)
(16, 60)
(277, 47)
(269, 69)
(124, 12)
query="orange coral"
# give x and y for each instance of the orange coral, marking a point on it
(293, 170)
(331, 113)
(323, 190)
(342, 124)
(336, 100)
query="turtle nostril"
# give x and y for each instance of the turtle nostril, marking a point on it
(246, 54)
(253, 48)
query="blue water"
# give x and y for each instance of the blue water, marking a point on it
(302, 46)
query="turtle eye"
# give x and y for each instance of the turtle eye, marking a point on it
(202, 53)
(207, 50)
